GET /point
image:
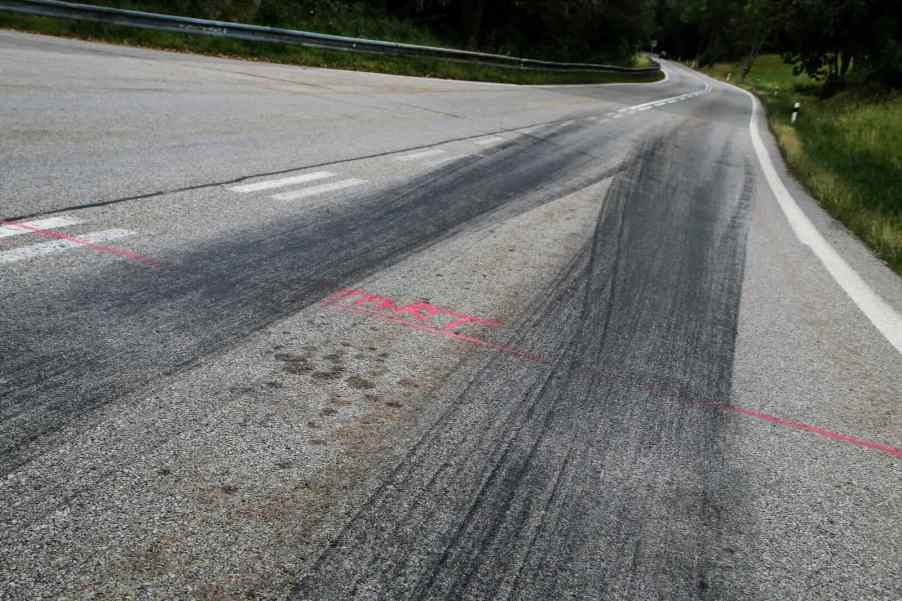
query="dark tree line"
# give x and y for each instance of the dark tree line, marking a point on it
(827, 39)
(824, 38)
(578, 30)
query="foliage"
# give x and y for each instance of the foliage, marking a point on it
(827, 40)
(574, 30)
(297, 55)
(846, 149)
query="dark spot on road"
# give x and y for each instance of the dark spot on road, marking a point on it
(295, 364)
(373, 398)
(274, 384)
(318, 442)
(393, 404)
(407, 382)
(328, 412)
(298, 369)
(283, 465)
(359, 383)
(329, 375)
(334, 357)
(360, 356)
(312, 424)
(164, 471)
(229, 489)
(372, 348)
(384, 355)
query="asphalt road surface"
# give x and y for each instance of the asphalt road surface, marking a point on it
(270, 332)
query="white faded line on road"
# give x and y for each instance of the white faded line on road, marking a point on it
(877, 310)
(42, 224)
(56, 246)
(321, 189)
(420, 155)
(282, 183)
(489, 141)
(444, 160)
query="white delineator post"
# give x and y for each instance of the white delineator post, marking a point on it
(795, 111)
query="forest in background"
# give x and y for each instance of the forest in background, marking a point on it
(828, 40)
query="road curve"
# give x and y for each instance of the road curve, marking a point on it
(280, 333)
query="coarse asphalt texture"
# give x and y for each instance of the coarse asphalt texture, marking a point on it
(270, 332)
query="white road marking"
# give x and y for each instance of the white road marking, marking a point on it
(420, 155)
(321, 189)
(42, 224)
(56, 246)
(645, 108)
(444, 160)
(492, 141)
(887, 321)
(618, 116)
(282, 183)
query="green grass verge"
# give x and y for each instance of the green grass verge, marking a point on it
(298, 55)
(846, 149)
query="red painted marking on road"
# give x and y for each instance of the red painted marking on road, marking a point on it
(421, 316)
(102, 248)
(418, 316)
(795, 425)
(861, 443)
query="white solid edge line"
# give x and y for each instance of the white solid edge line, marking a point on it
(881, 314)
(42, 224)
(420, 155)
(282, 183)
(321, 189)
(56, 246)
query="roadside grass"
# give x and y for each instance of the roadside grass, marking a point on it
(301, 56)
(846, 149)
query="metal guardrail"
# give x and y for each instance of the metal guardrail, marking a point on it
(256, 33)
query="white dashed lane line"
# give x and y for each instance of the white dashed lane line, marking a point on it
(57, 246)
(43, 224)
(283, 182)
(490, 141)
(416, 156)
(321, 189)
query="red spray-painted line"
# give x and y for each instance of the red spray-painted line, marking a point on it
(835, 436)
(433, 330)
(334, 300)
(102, 248)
